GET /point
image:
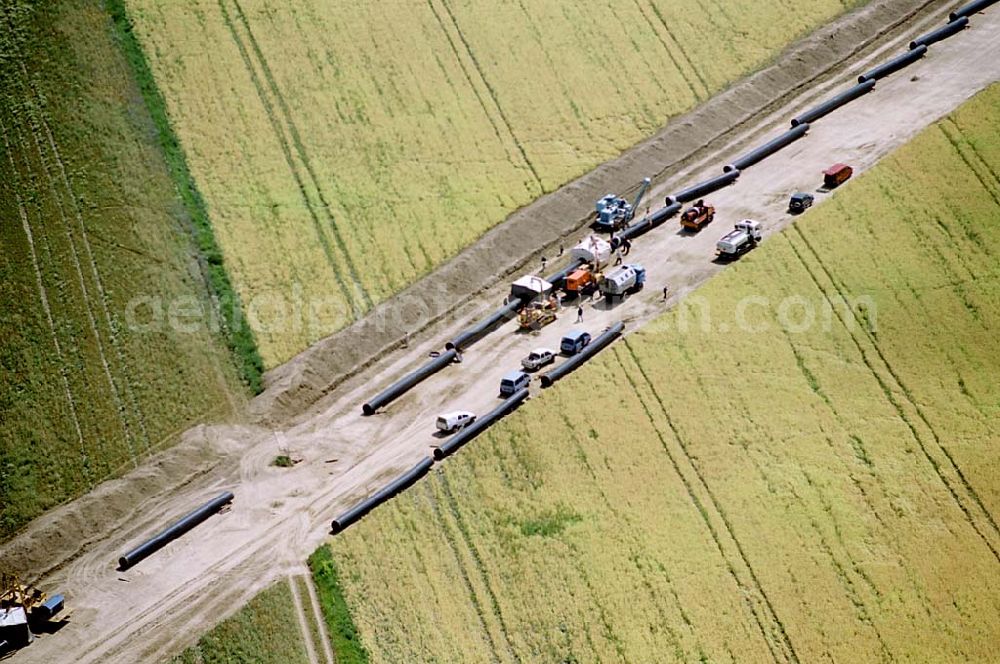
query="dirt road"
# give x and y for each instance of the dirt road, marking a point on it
(281, 515)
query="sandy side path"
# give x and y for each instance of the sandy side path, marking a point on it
(281, 515)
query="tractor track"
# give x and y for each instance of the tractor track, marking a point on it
(291, 144)
(44, 299)
(900, 387)
(771, 627)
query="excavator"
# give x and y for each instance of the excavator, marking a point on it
(23, 608)
(614, 212)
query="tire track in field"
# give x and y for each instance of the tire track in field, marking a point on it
(480, 567)
(482, 77)
(286, 149)
(109, 320)
(43, 297)
(685, 76)
(74, 254)
(293, 131)
(684, 59)
(300, 617)
(949, 128)
(937, 465)
(319, 619)
(772, 628)
(840, 569)
(470, 590)
(634, 554)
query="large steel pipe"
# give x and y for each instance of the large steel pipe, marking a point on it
(473, 334)
(650, 222)
(954, 27)
(769, 148)
(398, 485)
(970, 9)
(894, 65)
(829, 106)
(481, 423)
(707, 187)
(407, 382)
(592, 349)
(173, 531)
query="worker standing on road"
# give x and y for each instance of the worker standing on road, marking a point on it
(560, 249)
(618, 256)
(627, 246)
(666, 290)
(579, 314)
(544, 262)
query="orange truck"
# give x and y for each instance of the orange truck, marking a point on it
(698, 215)
(580, 281)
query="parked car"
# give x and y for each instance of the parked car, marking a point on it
(459, 419)
(574, 342)
(837, 175)
(538, 358)
(513, 382)
(800, 202)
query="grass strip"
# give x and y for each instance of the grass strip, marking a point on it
(347, 646)
(238, 335)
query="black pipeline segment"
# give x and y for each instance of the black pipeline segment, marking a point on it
(831, 105)
(894, 65)
(763, 152)
(592, 349)
(970, 9)
(650, 222)
(401, 483)
(702, 188)
(473, 334)
(175, 530)
(953, 28)
(401, 386)
(481, 423)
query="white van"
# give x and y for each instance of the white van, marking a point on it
(513, 382)
(454, 421)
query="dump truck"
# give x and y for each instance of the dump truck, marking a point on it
(623, 279)
(698, 215)
(23, 608)
(744, 237)
(614, 212)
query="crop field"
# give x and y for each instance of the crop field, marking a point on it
(264, 631)
(91, 221)
(797, 464)
(345, 148)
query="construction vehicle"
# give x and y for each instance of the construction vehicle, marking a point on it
(593, 253)
(698, 215)
(614, 212)
(536, 315)
(623, 279)
(23, 608)
(744, 237)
